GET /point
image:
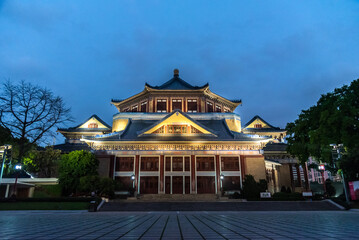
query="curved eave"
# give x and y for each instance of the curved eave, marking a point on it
(229, 102)
(117, 103)
(155, 89)
(174, 142)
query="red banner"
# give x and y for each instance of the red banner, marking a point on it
(354, 190)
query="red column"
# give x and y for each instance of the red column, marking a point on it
(137, 171)
(154, 105)
(243, 167)
(193, 174)
(112, 165)
(162, 173)
(218, 175)
(199, 105)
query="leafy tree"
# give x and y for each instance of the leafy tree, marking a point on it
(44, 163)
(334, 119)
(73, 166)
(101, 186)
(330, 188)
(263, 185)
(30, 112)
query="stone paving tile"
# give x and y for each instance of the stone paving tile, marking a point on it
(178, 225)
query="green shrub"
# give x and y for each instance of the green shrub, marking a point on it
(330, 188)
(250, 188)
(281, 196)
(45, 191)
(73, 166)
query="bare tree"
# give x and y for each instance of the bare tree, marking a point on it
(31, 112)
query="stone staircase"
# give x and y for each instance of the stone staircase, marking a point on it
(178, 198)
(148, 205)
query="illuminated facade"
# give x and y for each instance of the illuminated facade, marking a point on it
(180, 139)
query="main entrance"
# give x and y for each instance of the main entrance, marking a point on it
(177, 174)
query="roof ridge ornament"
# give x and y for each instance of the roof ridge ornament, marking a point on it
(176, 72)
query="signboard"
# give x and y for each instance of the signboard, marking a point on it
(307, 194)
(354, 190)
(265, 195)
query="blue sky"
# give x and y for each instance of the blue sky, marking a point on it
(277, 56)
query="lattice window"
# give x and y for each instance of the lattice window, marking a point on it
(93, 125)
(194, 130)
(191, 105)
(144, 107)
(161, 105)
(160, 130)
(176, 104)
(209, 107)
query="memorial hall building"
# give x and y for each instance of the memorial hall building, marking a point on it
(177, 138)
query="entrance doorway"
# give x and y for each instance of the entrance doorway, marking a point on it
(177, 185)
(149, 185)
(205, 185)
(177, 174)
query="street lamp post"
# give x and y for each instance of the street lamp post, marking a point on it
(18, 168)
(337, 148)
(321, 169)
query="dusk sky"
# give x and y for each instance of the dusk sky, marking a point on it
(277, 56)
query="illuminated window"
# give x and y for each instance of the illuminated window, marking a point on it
(177, 129)
(218, 108)
(124, 163)
(177, 163)
(135, 108)
(126, 110)
(161, 105)
(144, 107)
(229, 164)
(160, 130)
(187, 163)
(168, 164)
(149, 163)
(194, 130)
(176, 104)
(191, 105)
(209, 107)
(93, 125)
(205, 163)
(226, 110)
(258, 125)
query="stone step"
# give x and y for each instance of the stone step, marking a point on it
(220, 206)
(178, 197)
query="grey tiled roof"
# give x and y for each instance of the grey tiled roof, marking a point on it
(87, 130)
(77, 129)
(277, 147)
(176, 83)
(69, 147)
(263, 130)
(217, 126)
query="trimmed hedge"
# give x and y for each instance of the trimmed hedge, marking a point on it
(60, 199)
(282, 196)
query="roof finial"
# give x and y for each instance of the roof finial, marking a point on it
(176, 72)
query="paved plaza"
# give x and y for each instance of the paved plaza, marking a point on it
(178, 225)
